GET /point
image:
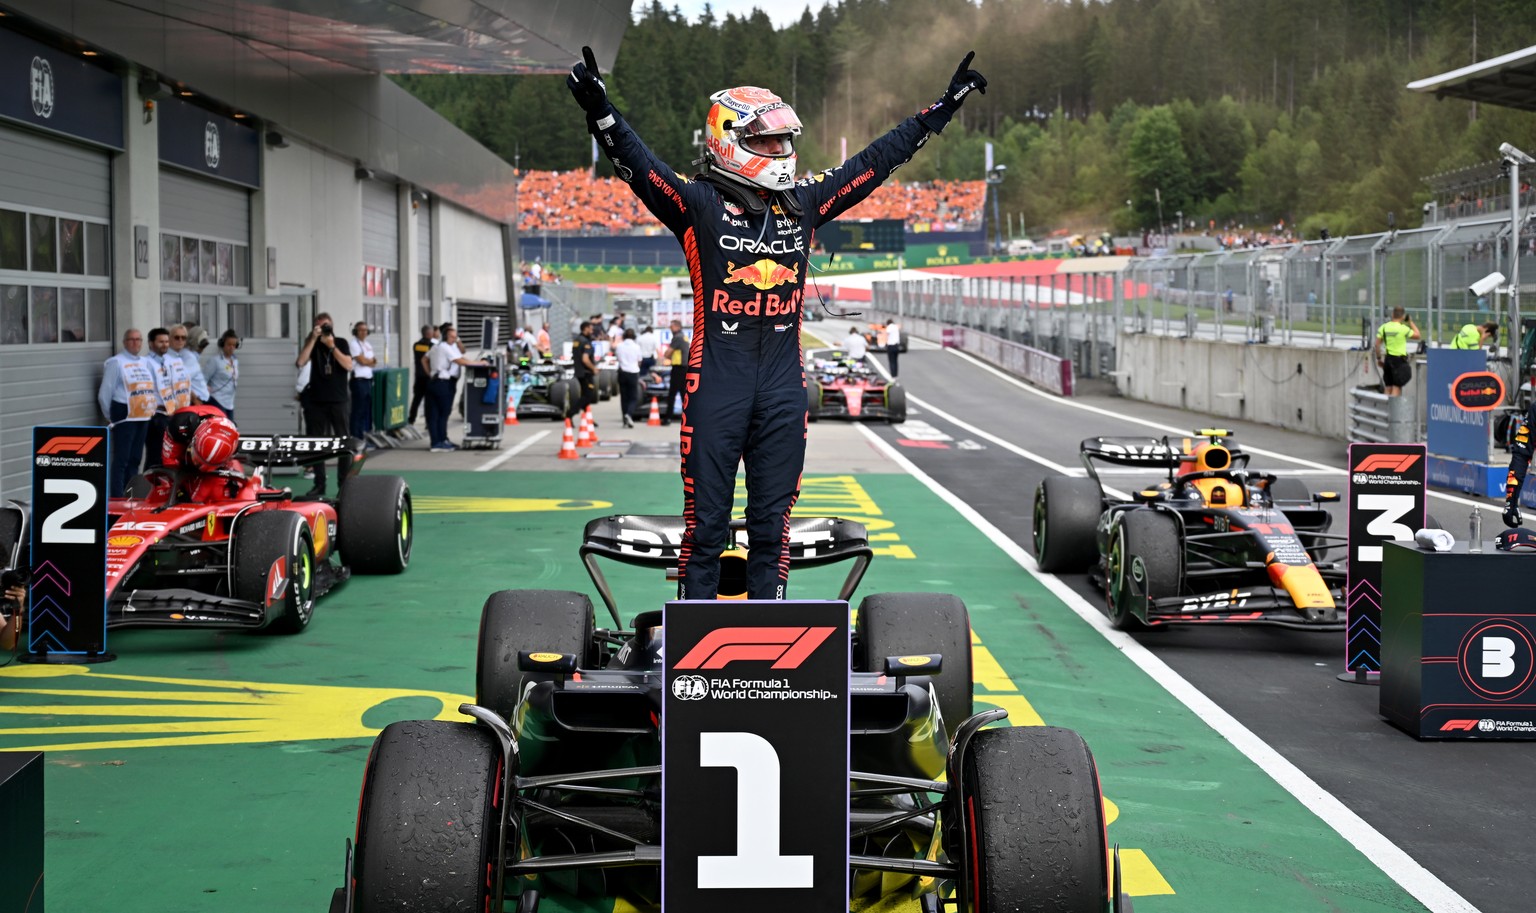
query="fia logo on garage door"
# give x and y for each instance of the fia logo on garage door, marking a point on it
(211, 144)
(42, 87)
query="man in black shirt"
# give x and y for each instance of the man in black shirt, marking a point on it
(419, 352)
(326, 400)
(586, 367)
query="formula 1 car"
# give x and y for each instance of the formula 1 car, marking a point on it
(655, 384)
(226, 550)
(556, 786)
(837, 386)
(542, 388)
(1213, 543)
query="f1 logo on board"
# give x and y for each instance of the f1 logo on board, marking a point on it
(786, 647)
(1497, 659)
(80, 445)
(1387, 462)
(1459, 726)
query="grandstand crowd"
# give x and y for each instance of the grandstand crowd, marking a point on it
(576, 201)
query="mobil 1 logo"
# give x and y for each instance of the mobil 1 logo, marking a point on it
(754, 785)
(1386, 504)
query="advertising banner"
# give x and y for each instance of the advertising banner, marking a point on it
(67, 604)
(1455, 430)
(1386, 504)
(754, 787)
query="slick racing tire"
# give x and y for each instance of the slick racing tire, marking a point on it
(1149, 540)
(374, 525)
(274, 551)
(562, 395)
(1067, 512)
(812, 400)
(554, 621)
(896, 403)
(607, 384)
(902, 624)
(428, 819)
(1034, 818)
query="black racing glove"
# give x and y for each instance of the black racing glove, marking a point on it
(586, 84)
(936, 116)
(1512, 517)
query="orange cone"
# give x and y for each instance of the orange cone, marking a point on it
(655, 419)
(568, 444)
(585, 437)
(511, 412)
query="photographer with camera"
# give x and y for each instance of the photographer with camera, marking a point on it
(326, 399)
(1396, 370)
(12, 600)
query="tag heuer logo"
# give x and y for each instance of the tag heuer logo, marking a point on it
(42, 88)
(211, 144)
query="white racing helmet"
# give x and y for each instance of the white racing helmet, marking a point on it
(750, 136)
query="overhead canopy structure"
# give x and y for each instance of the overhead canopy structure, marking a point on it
(1508, 81)
(372, 36)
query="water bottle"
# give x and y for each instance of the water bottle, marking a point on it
(1475, 542)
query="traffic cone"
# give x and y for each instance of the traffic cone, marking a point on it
(655, 420)
(568, 444)
(585, 437)
(511, 412)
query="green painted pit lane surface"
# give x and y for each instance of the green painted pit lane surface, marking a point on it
(220, 772)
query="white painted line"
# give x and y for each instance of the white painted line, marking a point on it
(1012, 448)
(1433, 893)
(529, 442)
(1183, 432)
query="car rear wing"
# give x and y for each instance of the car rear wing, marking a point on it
(1149, 452)
(284, 450)
(656, 540)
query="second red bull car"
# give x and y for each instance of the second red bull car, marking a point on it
(1212, 543)
(839, 386)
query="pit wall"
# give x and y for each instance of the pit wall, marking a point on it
(1303, 389)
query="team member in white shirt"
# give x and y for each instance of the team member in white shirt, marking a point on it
(181, 348)
(362, 381)
(892, 344)
(222, 369)
(175, 392)
(648, 342)
(855, 344)
(447, 362)
(628, 354)
(128, 397)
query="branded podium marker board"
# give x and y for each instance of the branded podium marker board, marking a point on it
(1459, 643)
(754, 786)
(67, 604)
(1386, 504)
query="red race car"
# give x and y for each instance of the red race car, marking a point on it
(837, 386)
(208, 542)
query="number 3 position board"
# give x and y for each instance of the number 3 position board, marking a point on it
(1386, 504)
(67, 608)
(754, 773)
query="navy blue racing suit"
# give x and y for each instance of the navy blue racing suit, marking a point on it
(745, 395)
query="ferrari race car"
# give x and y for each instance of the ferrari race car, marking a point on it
(223, 549)
(542, 389)
(837, 386)
(556, 785)
(1213, 542)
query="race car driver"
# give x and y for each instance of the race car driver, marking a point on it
(1519, 464)
(201, 439)
(745, 225)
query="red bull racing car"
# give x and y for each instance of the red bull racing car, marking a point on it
(555, 786)
(1213, 542)
(222, 548)
(837, 386)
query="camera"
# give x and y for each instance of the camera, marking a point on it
(1511, 154)
(1486, 285)
(325, 328)
(9, 578)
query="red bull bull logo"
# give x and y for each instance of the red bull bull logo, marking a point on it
(763, 274)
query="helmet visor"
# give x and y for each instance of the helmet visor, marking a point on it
(774, 118)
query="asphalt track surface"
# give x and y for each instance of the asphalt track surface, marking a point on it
(1461, 810)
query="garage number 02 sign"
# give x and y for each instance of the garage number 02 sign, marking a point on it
(755, 757)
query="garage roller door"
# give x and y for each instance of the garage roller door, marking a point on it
(206, 209)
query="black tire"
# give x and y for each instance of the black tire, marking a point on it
(261, 541)
(896, 403)
(1152, 537)
(428, 818)
(607, 384)
(1035, 817)
(812, 399)
(901, 624)
(1290, 489)
(1067, 512)
(559, 621)
(374, 525)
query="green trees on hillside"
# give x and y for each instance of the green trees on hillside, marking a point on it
(1252, 111)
